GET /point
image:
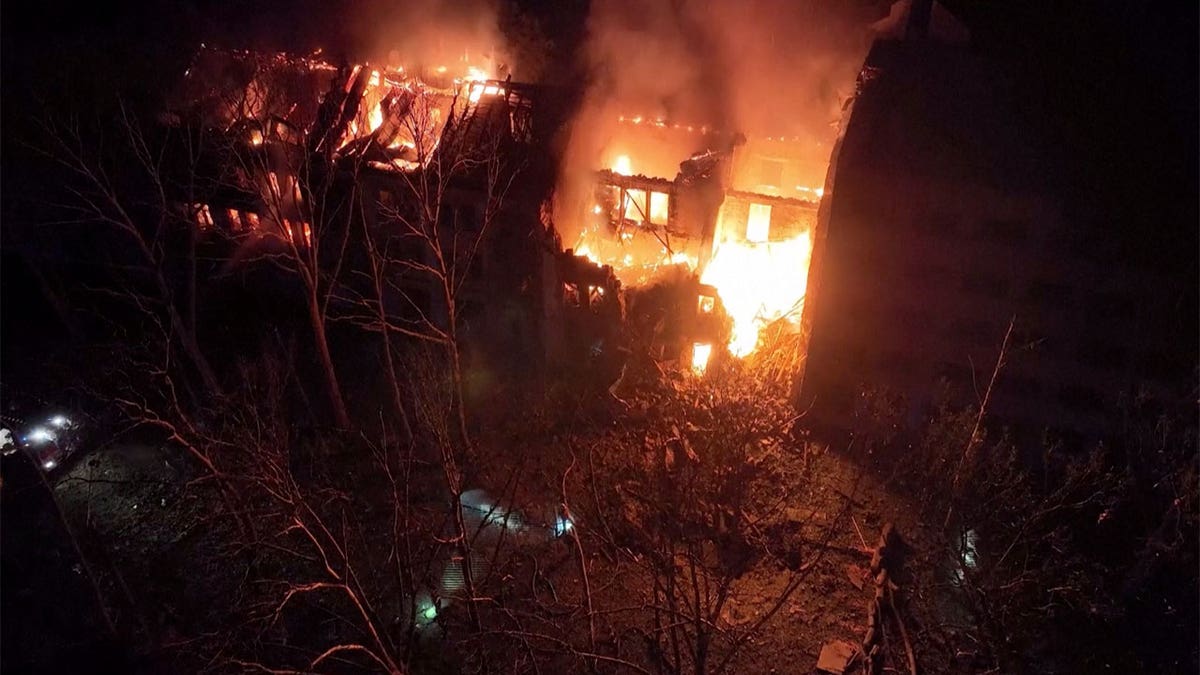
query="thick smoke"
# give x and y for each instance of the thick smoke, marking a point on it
(764, 68)
(426, 34)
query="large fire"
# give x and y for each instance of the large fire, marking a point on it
(403, 109)
(759, 282)
(637, 253)
(385, 88)
(735, 212)
(757, 260)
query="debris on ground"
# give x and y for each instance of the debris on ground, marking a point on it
(884, 564)
(835, 657)
(857, 575)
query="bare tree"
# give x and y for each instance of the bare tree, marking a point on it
(126, 189)
(425, 256)
(697, 509)
(308, 216)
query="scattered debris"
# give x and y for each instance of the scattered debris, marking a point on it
(859, 532)
(835, 657)
(735, 615)
(857, 575)
(884, 564)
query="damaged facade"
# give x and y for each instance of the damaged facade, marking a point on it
(926, 235)
(729, 222)
(440, 178)
(355, 153)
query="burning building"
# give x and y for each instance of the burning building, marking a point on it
(874, 219)
(339, 167)
(711, 182)
(746, 249)
(701, 147)
(730, 216)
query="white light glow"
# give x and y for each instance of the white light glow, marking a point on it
(562, 526)
(970, 550)
(40, 435)
(427, 610)
(59, 421)
(49, 464)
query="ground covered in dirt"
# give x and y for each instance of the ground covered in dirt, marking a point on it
(640, 538)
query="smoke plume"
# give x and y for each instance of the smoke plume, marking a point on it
(764, 68)
(427, 34)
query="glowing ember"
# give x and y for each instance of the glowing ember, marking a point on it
(375, 118)
(479, 90)
(584, 251)
(637, 259)
(759, 283)
(681, 258)
(476, 84)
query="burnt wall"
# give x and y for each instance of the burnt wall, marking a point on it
(941, 228)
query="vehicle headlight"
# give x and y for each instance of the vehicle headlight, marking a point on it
(40, 435)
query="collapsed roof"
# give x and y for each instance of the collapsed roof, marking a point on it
(386, 117)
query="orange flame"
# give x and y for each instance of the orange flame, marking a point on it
(700, 354)
(759, 283)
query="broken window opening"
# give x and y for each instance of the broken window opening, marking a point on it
(299, 233)
(660, 205)
(770, 173)
(203, 216)
(608, 201)
(700, 354)
(283, 131)
(571, 295)
(636, 207)
(758, 223)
